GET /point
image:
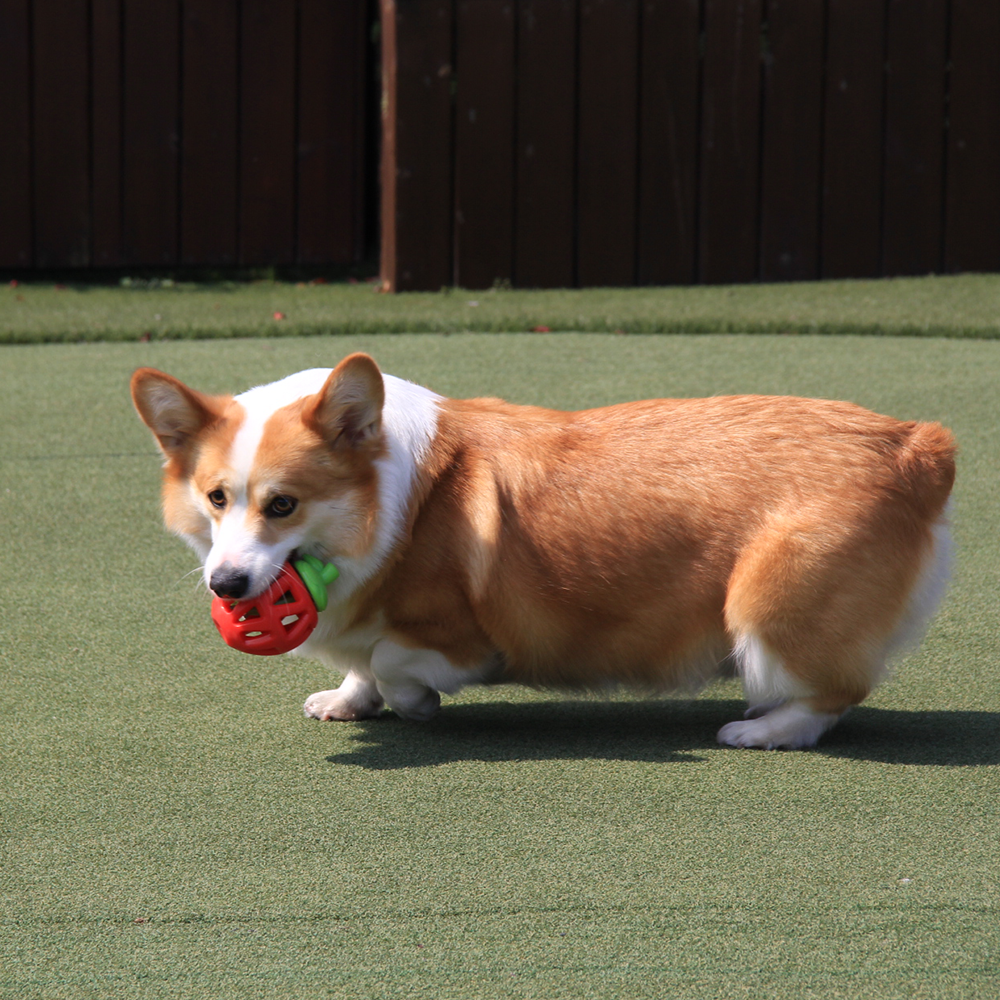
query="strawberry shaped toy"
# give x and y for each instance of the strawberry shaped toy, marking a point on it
(282, 617)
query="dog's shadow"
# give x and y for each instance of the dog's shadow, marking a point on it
(654, 731)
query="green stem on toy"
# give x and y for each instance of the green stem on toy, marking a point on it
(317, 576)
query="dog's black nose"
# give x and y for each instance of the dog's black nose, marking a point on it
(227, 581)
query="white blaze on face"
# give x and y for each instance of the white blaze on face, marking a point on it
(235, 536)
(235, 542)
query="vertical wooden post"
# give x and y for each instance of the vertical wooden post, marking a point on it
(387, 166)
(417, 144)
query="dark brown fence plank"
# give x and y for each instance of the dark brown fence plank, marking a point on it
(61, 133)
(914, 122)
(791, 141)
(106, 131)
(151, 105)
(545, 164)
(851, 242)
(209, 158)
(417, 201)
(484, 143)
(668, 149)
(607, 154)
(972, 233)
(728, 214)
(15, 149)
(331, 131)
(267, 132)
(388, 167)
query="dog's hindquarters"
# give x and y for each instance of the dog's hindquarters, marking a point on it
(816, 606)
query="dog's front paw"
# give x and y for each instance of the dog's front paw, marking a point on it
(327, 705)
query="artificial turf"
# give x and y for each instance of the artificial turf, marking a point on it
(951, 306)
(174, 827)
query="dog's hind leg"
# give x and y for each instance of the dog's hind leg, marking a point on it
(782, 713)
(412, 680)
(815, 616)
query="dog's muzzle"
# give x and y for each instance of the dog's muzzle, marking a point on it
(228, 581)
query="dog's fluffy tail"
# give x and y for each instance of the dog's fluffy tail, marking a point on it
(926, 464)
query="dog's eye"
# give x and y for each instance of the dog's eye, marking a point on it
(281, 506)
(217, 498)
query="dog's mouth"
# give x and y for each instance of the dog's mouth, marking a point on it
(236, 583)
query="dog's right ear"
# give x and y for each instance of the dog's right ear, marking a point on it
(173, 412)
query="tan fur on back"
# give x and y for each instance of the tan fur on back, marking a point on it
(620, 544)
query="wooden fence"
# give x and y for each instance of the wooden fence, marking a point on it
(536, 142)
(181, 132)
(614, 142)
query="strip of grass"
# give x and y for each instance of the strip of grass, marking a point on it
(173, 827)
(953, 306)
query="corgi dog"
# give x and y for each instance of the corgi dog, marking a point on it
(799, 542)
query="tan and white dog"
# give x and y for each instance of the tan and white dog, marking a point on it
(802, 541)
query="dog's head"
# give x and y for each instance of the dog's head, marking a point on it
(248, 480)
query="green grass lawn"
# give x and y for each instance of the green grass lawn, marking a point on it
(959, 305)
(174, 827)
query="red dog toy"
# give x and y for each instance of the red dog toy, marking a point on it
(281, 618)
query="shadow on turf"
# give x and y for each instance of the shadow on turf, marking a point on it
(654, 731)
(940, 739)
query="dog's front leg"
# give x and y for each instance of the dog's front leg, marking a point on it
(410, 680)
(356, 698)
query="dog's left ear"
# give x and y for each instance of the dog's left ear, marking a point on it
(347, 411)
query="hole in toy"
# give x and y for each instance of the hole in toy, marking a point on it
(252, 613)
(253, 635)
(286, 598)
(289, 620)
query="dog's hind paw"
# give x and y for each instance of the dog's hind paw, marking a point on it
(793, 726)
